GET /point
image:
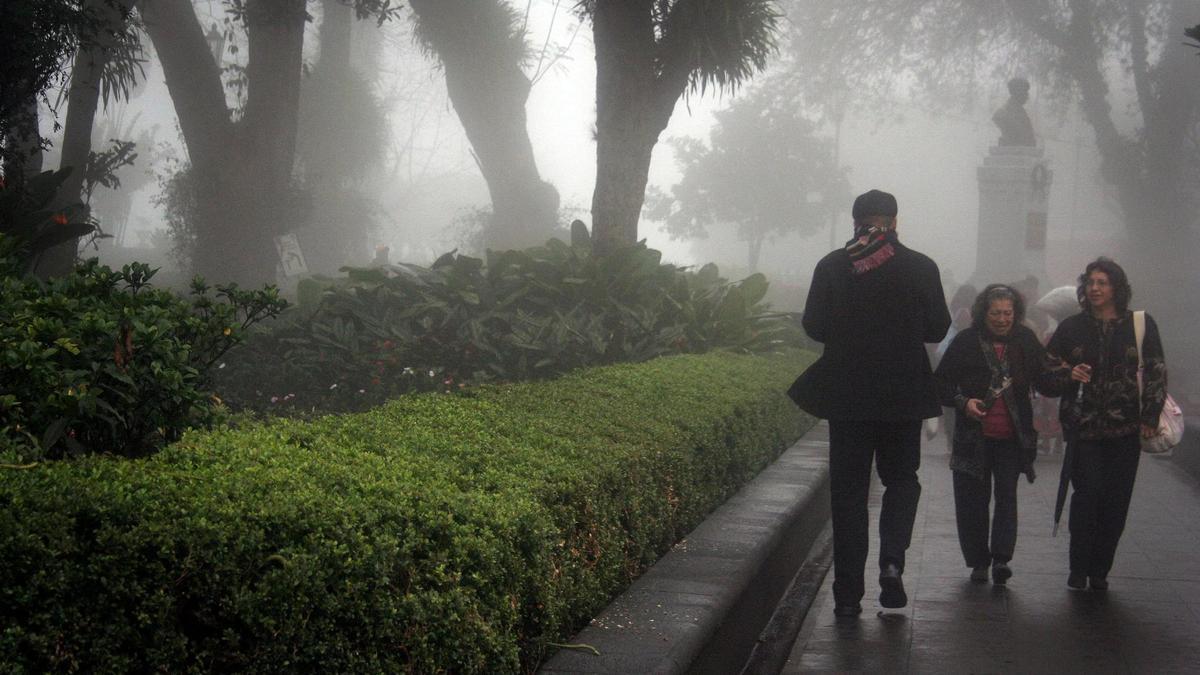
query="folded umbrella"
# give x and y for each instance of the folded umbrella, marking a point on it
(1071, 436)
(1064, 481)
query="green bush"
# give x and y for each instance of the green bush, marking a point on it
(29, 227)
(434, 534)
(97, 361)
(517, 315)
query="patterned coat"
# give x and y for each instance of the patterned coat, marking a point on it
(1110, 401)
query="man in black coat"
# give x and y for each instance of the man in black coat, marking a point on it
(873, 304)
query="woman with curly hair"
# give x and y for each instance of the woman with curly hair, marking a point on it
(1102, 414)
(987, 376)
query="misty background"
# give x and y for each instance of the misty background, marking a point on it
(895, 95)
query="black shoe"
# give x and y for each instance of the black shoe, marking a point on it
(1001, 573)
(892, 595)
(1098, 583)
(979, 574)
(849, 609)
(1077, 581)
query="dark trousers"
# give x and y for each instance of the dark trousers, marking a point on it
(896, 448)
(973, 496)
(1102, 476)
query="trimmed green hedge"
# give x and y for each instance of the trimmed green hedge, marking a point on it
(436, 533)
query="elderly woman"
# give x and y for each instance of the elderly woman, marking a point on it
(987, 375)
(1104, 414)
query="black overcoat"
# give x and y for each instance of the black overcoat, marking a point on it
(874, 327)
(963, 374)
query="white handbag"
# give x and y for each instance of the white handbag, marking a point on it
(1170, 422)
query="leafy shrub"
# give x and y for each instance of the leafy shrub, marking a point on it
(517, 315)
(433, 534)
(97, 361)
(29, 227)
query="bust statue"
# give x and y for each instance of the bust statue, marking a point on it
(1015, 127)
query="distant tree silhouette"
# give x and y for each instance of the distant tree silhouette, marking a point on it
(764, 171)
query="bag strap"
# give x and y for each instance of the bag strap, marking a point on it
(1139, 331)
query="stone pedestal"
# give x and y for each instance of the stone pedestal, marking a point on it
(1014, 190)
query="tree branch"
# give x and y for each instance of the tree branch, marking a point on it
(1036, 17)
(192, 76)
(1138, 52)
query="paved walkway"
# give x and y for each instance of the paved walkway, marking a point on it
(1147, 622)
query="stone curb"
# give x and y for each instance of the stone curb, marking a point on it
(702, 606)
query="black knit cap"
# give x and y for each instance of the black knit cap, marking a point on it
(874, 203)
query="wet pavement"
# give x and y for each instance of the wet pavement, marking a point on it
(1147, 622)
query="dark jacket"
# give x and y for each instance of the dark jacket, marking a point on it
(874, 327)
(963, 374)
(1110, 401)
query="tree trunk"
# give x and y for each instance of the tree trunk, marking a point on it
(756, 244)
(1167, 117)
(242, 173)
(488, 90)
(245, 251)
(22, 144)
(633, 105)
(334, 36)
(83, 100)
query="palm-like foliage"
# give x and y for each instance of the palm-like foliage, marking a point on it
(718, 43)
(462, 29)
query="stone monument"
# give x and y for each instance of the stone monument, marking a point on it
(1014, 191)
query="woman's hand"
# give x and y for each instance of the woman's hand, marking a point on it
(1149, 431)
(1082, 373)
(974, 409)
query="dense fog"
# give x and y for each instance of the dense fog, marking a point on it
(919, 126)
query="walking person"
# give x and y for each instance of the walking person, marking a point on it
(1102, 415)
(874, 304)
(987, 376)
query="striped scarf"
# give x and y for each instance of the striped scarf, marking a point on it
(870, 248)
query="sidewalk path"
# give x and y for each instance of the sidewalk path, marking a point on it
(1147, 622)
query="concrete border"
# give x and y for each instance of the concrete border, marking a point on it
(702, 606)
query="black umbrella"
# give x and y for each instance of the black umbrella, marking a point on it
(1064, 480)
(1064, 476)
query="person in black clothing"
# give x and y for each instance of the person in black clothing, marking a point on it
(1102, 416)
(987, 375)
(874, 304)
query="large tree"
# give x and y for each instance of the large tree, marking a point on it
(765, 171)
(649, 53)
(242, 169)
(342, 136)
(481, 46)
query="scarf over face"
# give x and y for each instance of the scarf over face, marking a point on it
(870, 248)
